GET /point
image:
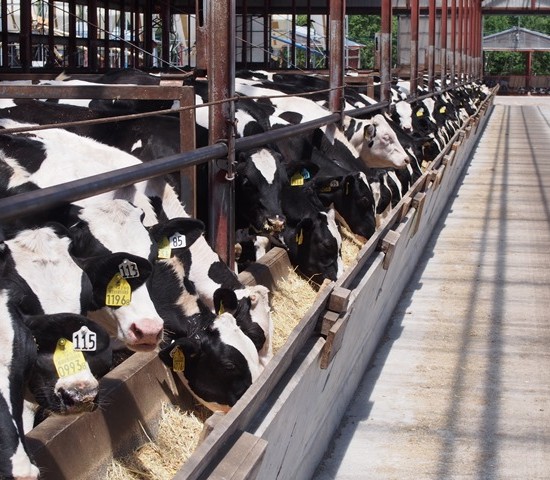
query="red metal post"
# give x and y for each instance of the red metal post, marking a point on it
(385, 51)
(25, 47)
(453, 41)
(336, 35)
(431, 46)
(415, 5)
(221, 78)
(460, 40)
(469, 33)
(443, 56)
(92, 35)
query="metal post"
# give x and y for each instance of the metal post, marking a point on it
(415, 5)
(221, 75)
(164, 61)
(25, 47)
(385, 51)
(336, 54)
(431, 46)
(453, 41)
(443, 56)
(92, 35)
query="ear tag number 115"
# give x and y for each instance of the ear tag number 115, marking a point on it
(84, 340)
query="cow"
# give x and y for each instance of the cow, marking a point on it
(312, 236)
(373, 140)
(64, 379)
(219, 361)
(41, 258)
(17, 357)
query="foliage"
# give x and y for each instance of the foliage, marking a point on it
(363, 29)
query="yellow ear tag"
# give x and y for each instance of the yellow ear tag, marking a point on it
(420, 113)
(297, 180)
(67, 360)
(164, 250)
(178, 360)
(443, 109)
(119, 292)
(300, 237)
(221, 309)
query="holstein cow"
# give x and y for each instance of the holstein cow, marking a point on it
(100, 228)
(17, 357)
(41, 257)
(373, 140)
(312, 236)
(64, 378)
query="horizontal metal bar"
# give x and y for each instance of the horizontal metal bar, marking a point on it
(107, 91)
(358, 112)
(51, 197)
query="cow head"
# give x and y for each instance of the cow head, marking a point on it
(380, 147)
(64, 379)
(218, 361)
(353, 199)
(260, 177)
(121, 301)
(314, 247)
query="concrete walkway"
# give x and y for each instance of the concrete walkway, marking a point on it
(460, 387)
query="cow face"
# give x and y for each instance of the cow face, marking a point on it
(381, 148)
(121, 300)
(314, 247)
(260, 177)
(218, 362)
(352, 198)
(401, 114)
(64, 380)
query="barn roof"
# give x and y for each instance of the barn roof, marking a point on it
(517, 39)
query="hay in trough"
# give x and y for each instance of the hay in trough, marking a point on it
(292, 297)
(177, 438)
(350, 250)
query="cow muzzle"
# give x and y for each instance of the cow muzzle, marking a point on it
(145, 336)
(275, 224)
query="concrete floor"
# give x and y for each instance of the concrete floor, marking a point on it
(460, 386)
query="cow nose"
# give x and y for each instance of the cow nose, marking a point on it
(276, 224)
(147, 332)
(80, 397)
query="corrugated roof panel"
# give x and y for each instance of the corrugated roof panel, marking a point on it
(518, 39)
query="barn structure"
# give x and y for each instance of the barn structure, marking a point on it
(282, 424)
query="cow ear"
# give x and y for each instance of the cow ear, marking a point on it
(191, 228)
(225, 300)
(369, 131)
(256, 292)
(189, 347)
(101, 270)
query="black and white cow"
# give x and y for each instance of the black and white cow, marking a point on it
(17, 357)
(40, 257)
(64, 380)
(312, 236)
